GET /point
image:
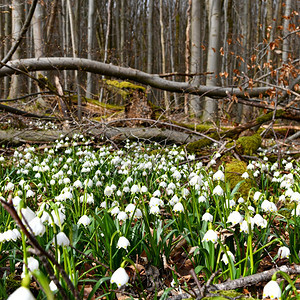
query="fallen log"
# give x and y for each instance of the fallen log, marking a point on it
(119, 134)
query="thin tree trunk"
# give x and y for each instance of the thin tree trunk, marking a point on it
(150, 38)
(285, 44)
(7, 27)
(187, 54)
(109, 7)
(211, 106)
(74, 49)
(163, 55)
(195, 53)
(122, 32)
(91, 34)
(17, 7)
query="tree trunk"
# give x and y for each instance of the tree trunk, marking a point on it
(163, 54)
(285, 44)
(211, 106)
(122, 32)
(17, 8)
(195, 53)
(150, 38)
(91, 34)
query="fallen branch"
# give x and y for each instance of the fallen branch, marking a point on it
(154, 80)
(244, 281)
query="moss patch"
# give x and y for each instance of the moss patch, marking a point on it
(248, 144)
(233, 173)
(197, 147)
(124, 88)
(230, 294)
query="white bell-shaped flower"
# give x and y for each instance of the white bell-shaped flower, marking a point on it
(219, 175)
(225, 257)
(272, 290)
(119, 277)
(210, 236)
(207, 217)
(284, 252)
(218, 191)
(235, 218)
(62, 239)
(178, 207)
(123, 243)
(37, 226)
(21, 293)
(84, 220)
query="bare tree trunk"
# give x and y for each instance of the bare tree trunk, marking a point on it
(285, 44)
(74, 48)
(122, 32)
(187, 54)
(211, 106)
(109, 7)
(17, 8)
(150, 38)
(7, 27)
(163, 55)
(172, 53)
(91, 34)
(195, 53)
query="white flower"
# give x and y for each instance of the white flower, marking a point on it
(28, 214)
(120, 277)
(196, 180)
(32, 264)
(77, 184)
(218, 191)
(144, 189)
(245, 225)
(108, 191)
(288, 166)
(235, 218)
(207, 217)
(84, 220)
(156, 202)
(29, 194)
(256, 196)
(272, 290)
(130, 208)
(210, 235)
(225, 257)
(37, 226)
(135, 189)
(138, 214)
(62, 239)
(154, 210)
(178, 207)
(219, 175)
(123, 243)
(201, 199)
(284, 252)
(21, 293)
(174, 200)
(53, 286)
(9, 186)
(245, 175)
(122, 216)
(268, 206)
(260, 221)
(295, 197)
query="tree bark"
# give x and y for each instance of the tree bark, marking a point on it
(154, 80)
(17, 8)
(210, 105)
(285, 45)
(91, 34)
(195, 53)
(150, 38)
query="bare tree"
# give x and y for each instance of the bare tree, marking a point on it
(195, 53)
(213, 63)
(150, 38)
(91, 34)
(285, 45)
(17, 8)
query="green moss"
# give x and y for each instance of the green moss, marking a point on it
(268, 117)
(233, 173)
(229, 295)
(248, 144)
(198, 146)
(198, 128)
(124, 88)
